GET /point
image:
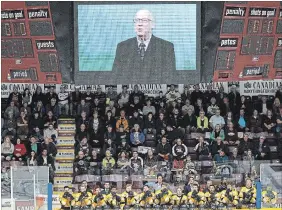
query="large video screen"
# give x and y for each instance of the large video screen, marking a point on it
(144, 42)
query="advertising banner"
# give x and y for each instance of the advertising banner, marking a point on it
(259, 87)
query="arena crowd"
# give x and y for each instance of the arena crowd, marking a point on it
(162, 137)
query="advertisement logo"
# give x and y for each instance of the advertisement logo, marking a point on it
(228, 42)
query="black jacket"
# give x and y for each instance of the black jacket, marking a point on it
(189, 121)
(157, 65)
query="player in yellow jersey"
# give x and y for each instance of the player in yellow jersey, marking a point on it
(179, 199)
(65, 199)
(163, 196)
(269, 196)
(247, 195)
(82, 198)
(146, 198)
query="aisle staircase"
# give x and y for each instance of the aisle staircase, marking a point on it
(65, 156)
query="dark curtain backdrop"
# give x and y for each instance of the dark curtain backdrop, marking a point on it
(62, 15)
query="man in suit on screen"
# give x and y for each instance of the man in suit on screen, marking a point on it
(145, 58)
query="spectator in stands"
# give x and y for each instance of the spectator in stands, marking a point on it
(231, 135)
(19, 151)
(160, 98)
(111, 95)
(170, 107)
(189, 121)
(110, 120)
(98, 107)
(36, 122)
(269, 122)
(50, 119)
(244, 104)
(27, 97)
(39, 107)
(137, 137)
(81, 164)
(95, 123)
(136, 163)
(45, 160)
(124, 147)
(84, 147)
(234, 99)
(242, 122)
(88, 96)
(32, 159)
(149, 124)
(199, 106)
(111, 108)
(172, 94)
(213, 107)
(108, 163)
(123, 97)
(225, 106)
(83, 107)
(217, 120)
(63, 101)
(123, 162)
(229, 118)
(149, 108)
(217, 146)
(179, 152)
(202, 123)
(221, 157)
(83, 119)
(16, 97)
(95, 163)
(53, 107)
(244, 145)
(10, 125)
(48, 132)
(51, 94)
(49, 145)
(276, 106)
(279, 122)
(196, 93)
(263, 106)
(110, 134)
(121, 135)
(12, 109)
(136, 119)
(174, 125)
(161, 108)
(75, 98)
(262, 150)
(255, 122)
(208, 95)
(186, 107)
(34, 146)
(101, 96)
(163, 150)
(278, 93)
(202, 149)
(161, 123)
(122, 121)
(37, 134)
(135, 106)
(109, 145)
(235, 156)
(26, 109)
(7, 149)
(248, 156)
(150, 163)
(136, 93)
(37, 96)
(217, 132)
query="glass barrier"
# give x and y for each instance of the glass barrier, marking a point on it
(162, 185)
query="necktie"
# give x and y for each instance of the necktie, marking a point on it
(142, 50)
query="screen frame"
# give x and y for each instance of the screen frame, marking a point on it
(107, 77)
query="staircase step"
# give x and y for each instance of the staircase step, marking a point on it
(64, 168)
(62, 181)
(65, 154)
(66, 121)
(65, 141)
(66, 127)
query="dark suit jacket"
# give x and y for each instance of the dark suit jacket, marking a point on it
(157, 67)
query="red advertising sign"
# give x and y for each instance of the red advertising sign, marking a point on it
(24, 205)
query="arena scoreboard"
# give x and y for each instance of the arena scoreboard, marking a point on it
(250, 44)
(28, 48)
